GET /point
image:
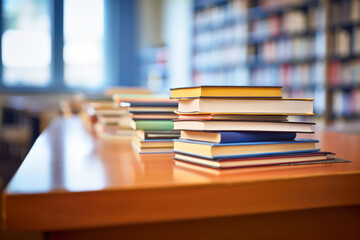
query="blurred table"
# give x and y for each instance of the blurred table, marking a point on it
(73, 186)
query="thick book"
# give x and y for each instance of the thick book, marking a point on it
(227, 163)
(219, 126)
(233, 137)
(212, 150)
(240, 117)
(148, 134)
(226, 91)
(288, 106)
(165, 125)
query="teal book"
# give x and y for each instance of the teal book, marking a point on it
(162, 125)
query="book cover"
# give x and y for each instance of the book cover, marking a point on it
(211, 150)
(226, 91)
(254, 126)
(233, 137)
(149, 134)
(289, 106)
(258, 156)
(166, 125)
(250, 162)
(149, 104)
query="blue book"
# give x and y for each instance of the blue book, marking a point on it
(234, 137)
(242, 149)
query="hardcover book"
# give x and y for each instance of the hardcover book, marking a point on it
(227, 163)
(153, 143)
(226, 91)
(165, 125)
(240, 117)
(219, 125)
(149, 134)
(233, 137)
(245, 149)
(289, 106)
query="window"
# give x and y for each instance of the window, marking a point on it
(26, 43)
(31, 50)
(83, 43)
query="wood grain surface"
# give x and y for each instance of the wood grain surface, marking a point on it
(71, 180)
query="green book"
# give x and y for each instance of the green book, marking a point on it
(164, 125)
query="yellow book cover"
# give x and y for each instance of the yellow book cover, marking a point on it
(227, 91)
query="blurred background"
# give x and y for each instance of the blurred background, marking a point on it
(52, 50)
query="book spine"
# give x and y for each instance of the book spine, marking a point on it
(154, 125)
(233, 137)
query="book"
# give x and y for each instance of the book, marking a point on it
(210, 116)
(153, 143)
(226, 91)
(119, 98)
(151, 109)
(152, 115)
(227, 163)
(111, 120)
(223, 125)
(209, 171)
(148, 134)
(284, 106)
(166, 125)
(149, 104)
(152, 150)
(233, 137)
(211, 150)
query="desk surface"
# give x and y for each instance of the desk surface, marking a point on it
(70, 180)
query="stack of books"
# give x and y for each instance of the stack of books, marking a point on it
(101, 117)
(152, 120)
(230, 126)
(107, 124)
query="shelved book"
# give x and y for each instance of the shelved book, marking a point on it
(231, 132)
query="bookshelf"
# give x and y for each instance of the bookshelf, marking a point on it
(310, 47)
(154, 68)
(343, 65)
(220, 32)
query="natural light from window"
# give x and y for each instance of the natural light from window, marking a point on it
(83, 46)
(26, 43)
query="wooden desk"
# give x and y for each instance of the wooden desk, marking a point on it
(73, 186)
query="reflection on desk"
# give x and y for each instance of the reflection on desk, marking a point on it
(71, 180)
